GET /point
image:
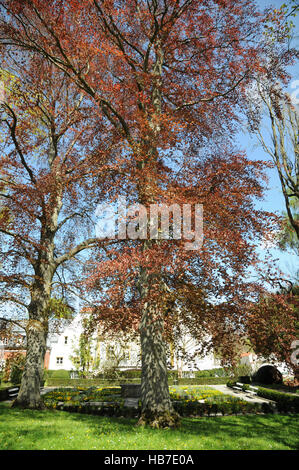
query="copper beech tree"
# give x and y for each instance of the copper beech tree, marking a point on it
(46, 195)
(273, 326)
(169, 80)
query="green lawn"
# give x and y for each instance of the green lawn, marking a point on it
(58, 430)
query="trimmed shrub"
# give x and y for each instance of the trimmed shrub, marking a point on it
(56, 374)
(130, 374)
(57, 382)
(285, 402)
(172, 375)
(61, 382)
(203, 381)
(220, 372)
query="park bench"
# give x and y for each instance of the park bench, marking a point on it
(13, 393)
(252, 390)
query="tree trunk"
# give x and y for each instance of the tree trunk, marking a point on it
(157, 409)
(29, 394)
(37, 332)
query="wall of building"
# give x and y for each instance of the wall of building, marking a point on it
(63, 347)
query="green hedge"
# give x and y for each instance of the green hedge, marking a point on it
(220, 372)
(203, 381)
(56, 382)
(224, 408)
(285, 402)
(135, 374)
(60, 382)
(203, 377)
(56, 374)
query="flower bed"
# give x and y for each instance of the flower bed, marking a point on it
(197, 401)
(82, 395)
(193, 393)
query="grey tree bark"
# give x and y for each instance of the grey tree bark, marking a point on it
(157, 409)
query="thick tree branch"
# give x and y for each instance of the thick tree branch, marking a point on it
(12, 128)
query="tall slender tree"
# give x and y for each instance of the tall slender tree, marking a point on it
(46, 186)
(282, 145)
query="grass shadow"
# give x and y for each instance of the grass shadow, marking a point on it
(249, 431)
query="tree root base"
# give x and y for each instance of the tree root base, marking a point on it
(159, 420)
(28, 405)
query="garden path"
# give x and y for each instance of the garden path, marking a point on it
(240, 394)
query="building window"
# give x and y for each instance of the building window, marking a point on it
(59, 360)
(65, 340)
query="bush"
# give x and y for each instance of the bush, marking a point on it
(14, 367)
(57, 382)
(56, 374)
(285, 402)
(130, 374)
(67, 382)
(172, 375)
(245, 379)
(16, 374)
(220, 372)
(242, 370)
(203, 381)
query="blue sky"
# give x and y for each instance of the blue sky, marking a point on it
(274, 201)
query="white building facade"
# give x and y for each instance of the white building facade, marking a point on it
(125, 354)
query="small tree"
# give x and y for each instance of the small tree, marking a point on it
(17, 369)
(283, 146)
(84, 359)
(14, 367)
(116, 353)
(287, 237)
(273, 326)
